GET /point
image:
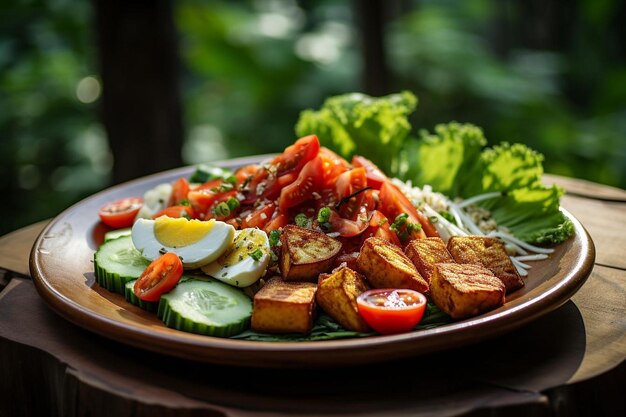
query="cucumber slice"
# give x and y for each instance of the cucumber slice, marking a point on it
(114, 234)
(207, 307)
(131, 297)
(204, 173)
(116, 262)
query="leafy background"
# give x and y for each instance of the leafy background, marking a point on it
(549, 74)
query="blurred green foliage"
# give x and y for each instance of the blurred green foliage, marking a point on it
(250, 67)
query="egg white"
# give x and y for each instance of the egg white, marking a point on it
(194, 255)
(155, 200)
(246, 271)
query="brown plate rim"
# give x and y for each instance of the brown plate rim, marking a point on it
(305, 354)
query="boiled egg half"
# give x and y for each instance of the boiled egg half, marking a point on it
(245, 261)
(196, 242)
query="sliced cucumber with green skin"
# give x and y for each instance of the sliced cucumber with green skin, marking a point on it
(131, 297)
(207, 307)
(116, 262)
(114, 234)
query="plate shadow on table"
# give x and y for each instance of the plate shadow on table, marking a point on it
(458, 380)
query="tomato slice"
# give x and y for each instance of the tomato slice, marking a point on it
(390, 311)
(394, 203)
(121, 213)
(159, 277)
(179, 192)
(244, 173)
(346, 184)
(379, 227)
(294, 157)
(176, 212)
(375, 177)
(333, 165)
(276, 223)
(309, 180)
(206, 196)
(260, 217)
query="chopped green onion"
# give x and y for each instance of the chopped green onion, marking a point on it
(232, 180)
(256, 255)
(399, 222)
(323, 216)
(233, 203)
(301, 220)
(274, 237)
(222, 209)
(413, 227)
(185, 202)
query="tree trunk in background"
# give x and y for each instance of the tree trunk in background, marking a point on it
(140, 75)
(371, 21)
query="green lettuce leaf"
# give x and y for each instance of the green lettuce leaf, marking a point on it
(454, 162)
(359, 124)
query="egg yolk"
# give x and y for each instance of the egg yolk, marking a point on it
(246, 242)
(176, 233)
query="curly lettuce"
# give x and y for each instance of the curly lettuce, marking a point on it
(356, 123)
(453, 159)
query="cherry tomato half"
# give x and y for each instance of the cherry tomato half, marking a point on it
(309, 180)
(390, 311)
(159, 277)
(121, 213)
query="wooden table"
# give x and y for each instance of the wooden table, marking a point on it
(569, 362)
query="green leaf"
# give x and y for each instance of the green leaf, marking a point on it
(442, 159)
(356, 123)
(454, 162)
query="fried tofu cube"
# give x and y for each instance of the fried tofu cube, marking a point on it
(465, 290)
(488, 252)
(386, 266)
(336, 295)
(425, 253)
(284, 307)
(306, 253)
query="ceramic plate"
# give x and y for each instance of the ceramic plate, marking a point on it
(62, 268)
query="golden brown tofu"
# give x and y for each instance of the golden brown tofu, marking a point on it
(488, 252)
(465, 290)
(425, 253)
(284, 307)
(306, 253)
(336, 295)
(386, 266)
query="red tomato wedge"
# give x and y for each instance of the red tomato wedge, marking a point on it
(375, 177)
(260, 217)
(390, 311)
(333, 166)
(379, 227)
(276, 223)
(295, 156)
(179, 192)
(394, 203)
(347, 184)
(160, 276)
(309, 180)
(121, 213)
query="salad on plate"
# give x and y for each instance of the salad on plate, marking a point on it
(358, 228)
